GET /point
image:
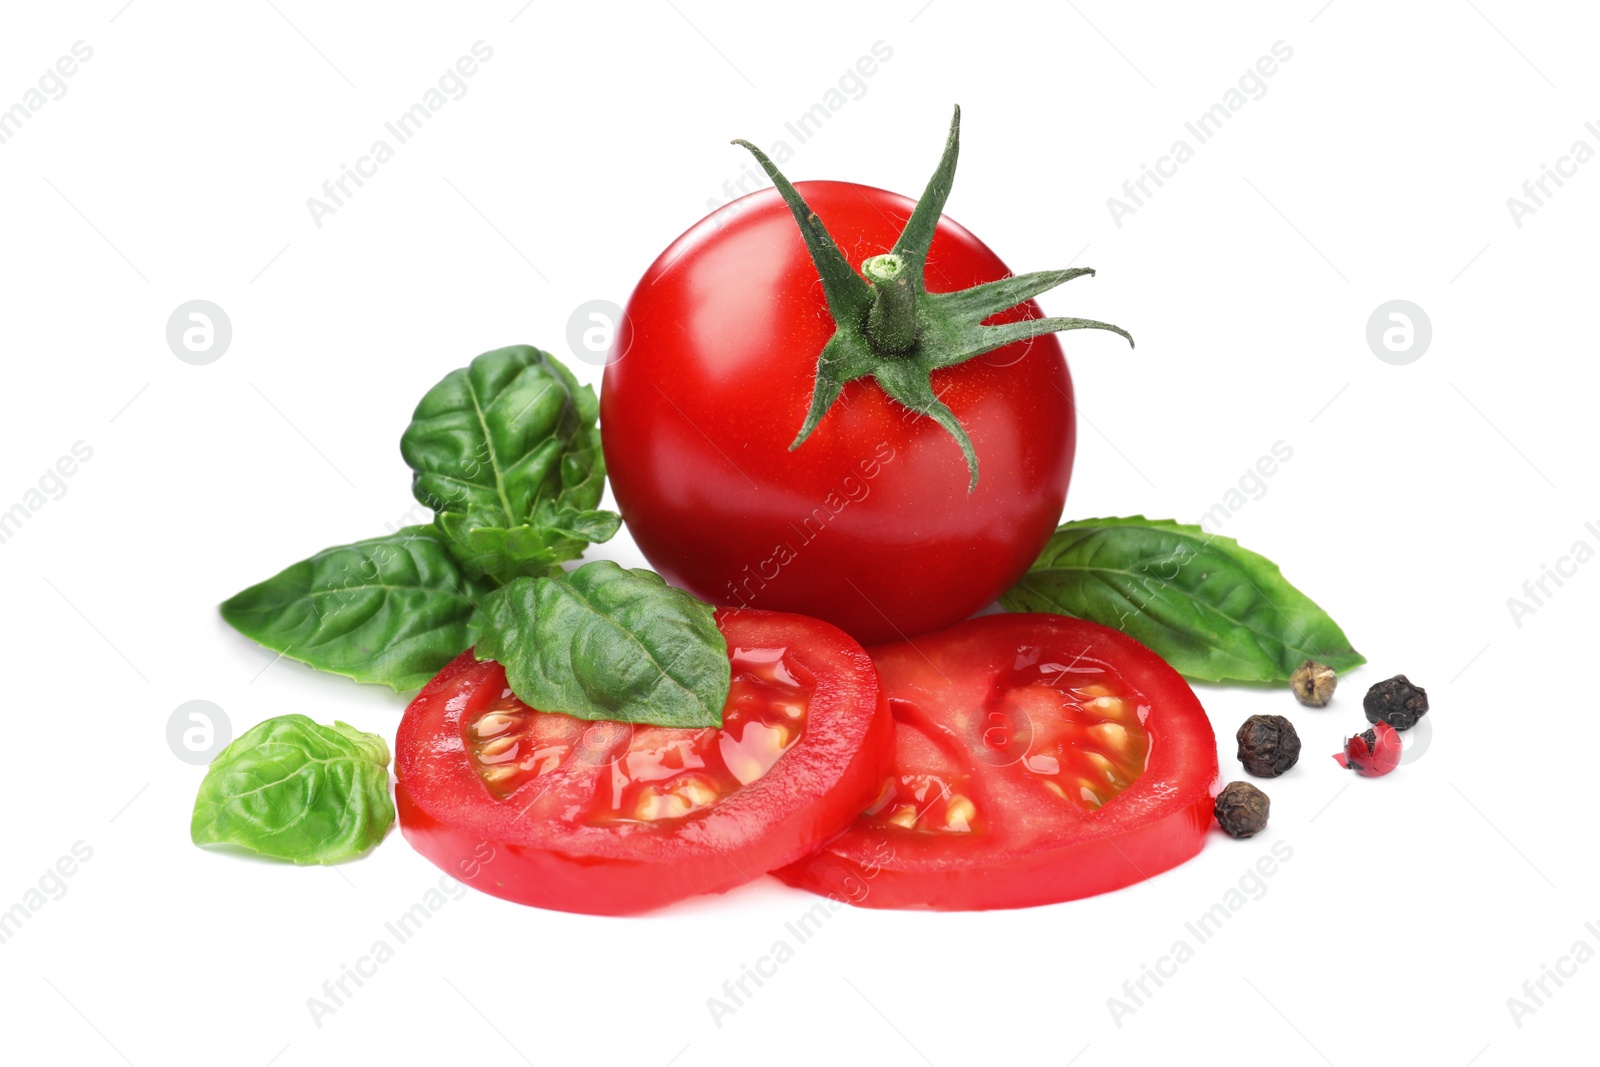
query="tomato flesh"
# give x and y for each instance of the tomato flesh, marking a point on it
(1038, 759)
(606, 817)
(650, 773)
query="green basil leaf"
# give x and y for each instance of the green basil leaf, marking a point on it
(1215, 611)
(575, 525)
(391, 610)
(531, 550)
(499, 446)
(602, 642)
(294, 790)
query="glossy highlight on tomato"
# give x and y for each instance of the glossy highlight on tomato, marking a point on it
(1037, 759)
(869, 523)
(609, 818)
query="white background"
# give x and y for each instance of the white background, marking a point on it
(1418, 500)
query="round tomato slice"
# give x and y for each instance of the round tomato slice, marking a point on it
(607, 818)
(1037, 759)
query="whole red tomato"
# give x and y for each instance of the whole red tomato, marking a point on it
(872, 522)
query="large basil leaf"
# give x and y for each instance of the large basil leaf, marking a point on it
(391, 610)
(506, 450)
(294, 790)
(602, 642)
(1215, 611)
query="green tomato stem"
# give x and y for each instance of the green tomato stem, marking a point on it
(892, 321)
(891, 329)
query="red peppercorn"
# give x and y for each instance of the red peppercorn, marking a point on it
(1372, 754)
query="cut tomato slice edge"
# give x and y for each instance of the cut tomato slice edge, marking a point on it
(1028, 841)
(618, 827)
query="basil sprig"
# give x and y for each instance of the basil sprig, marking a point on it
(507, 453)
(295, 790)
(1213, 610)
(605, 642)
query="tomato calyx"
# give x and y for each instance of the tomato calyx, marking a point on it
(890, 328)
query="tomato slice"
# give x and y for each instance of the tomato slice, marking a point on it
(607, 818)
(1038, 759)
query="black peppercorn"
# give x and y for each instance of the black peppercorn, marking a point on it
(1268, 745)
(1397, 702)
(1242, 809)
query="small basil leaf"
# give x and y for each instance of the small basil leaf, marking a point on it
(534, 549)
(496, 551)
(593, 526)
(391, 610)
(294, 790)
(496, 448)
(602, 642)
(1215, 611)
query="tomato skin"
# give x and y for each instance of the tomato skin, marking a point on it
(534, 847)
(1158, 821)
(869, 523)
